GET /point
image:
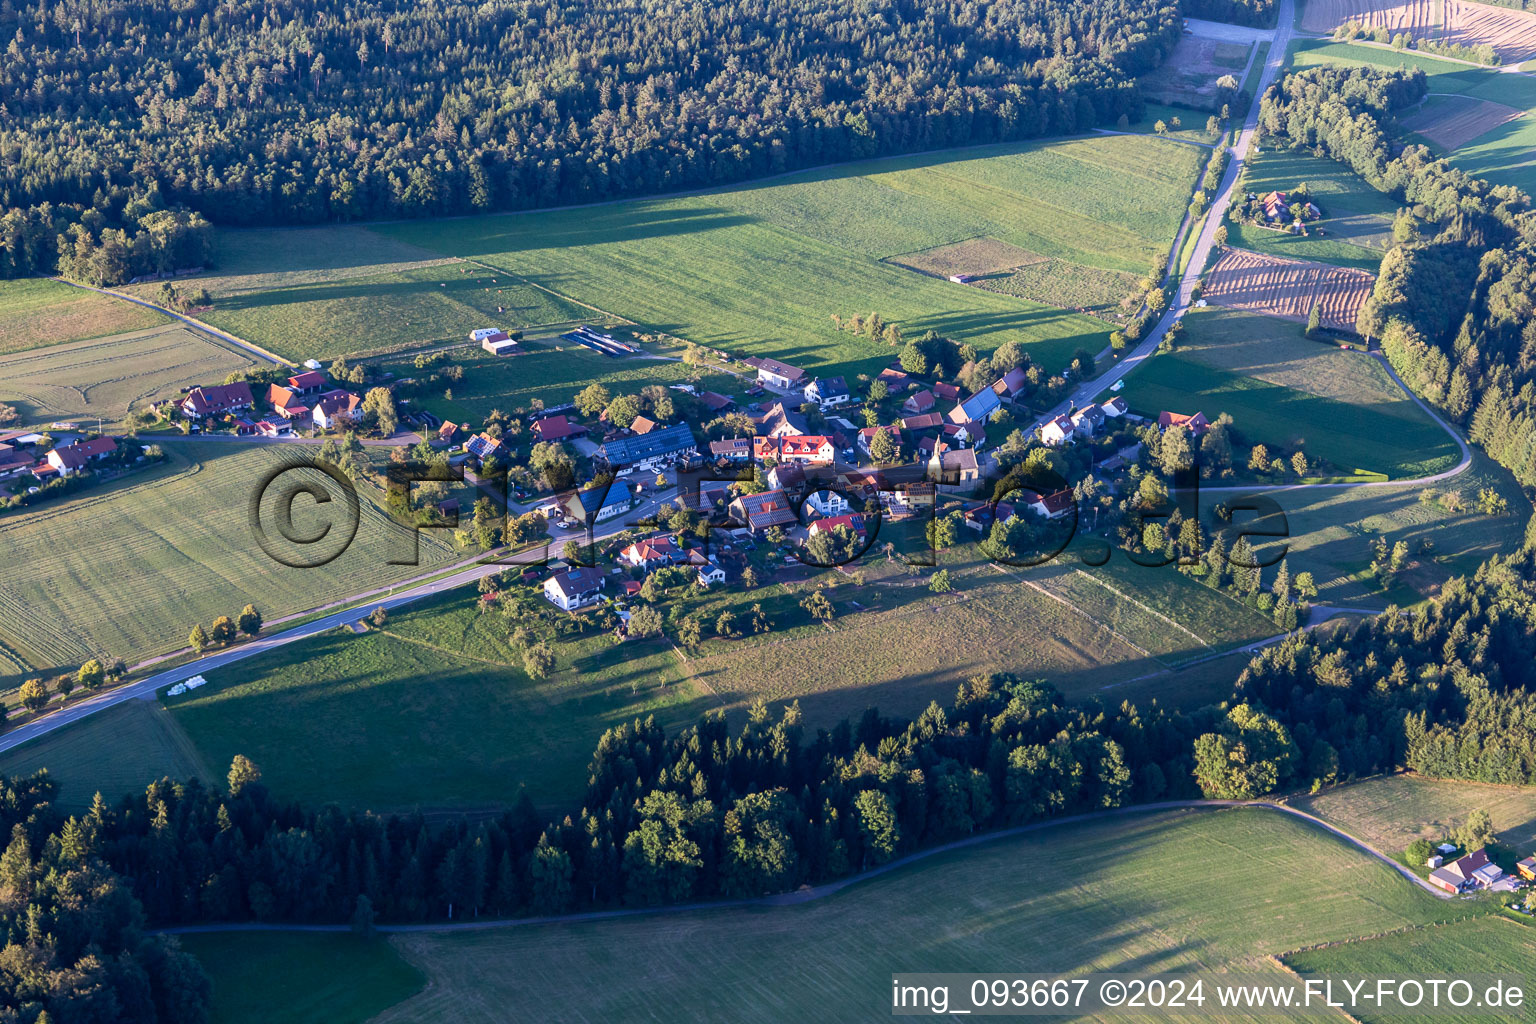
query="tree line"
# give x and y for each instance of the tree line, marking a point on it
(281, 111)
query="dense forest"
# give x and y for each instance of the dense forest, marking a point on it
(279, 111)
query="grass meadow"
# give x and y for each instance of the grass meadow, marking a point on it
(1285, 391)
(1391, 811)
(433, 712)
(104, 377)
(1145, 893)
(301, 979)
(1482, 946)
(36, 312)
(124, 570)
(1330, 531)
(114, 752)
(1356, 229)
(760, 269)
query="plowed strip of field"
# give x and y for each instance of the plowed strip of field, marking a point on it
(1511, 33)
(1287, 288)
(1457, 120)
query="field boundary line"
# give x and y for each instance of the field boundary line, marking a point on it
(1123, 596)
(1104, 626)
(550, 291)
(806, 894)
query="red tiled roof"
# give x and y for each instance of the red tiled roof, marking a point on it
(553, 428)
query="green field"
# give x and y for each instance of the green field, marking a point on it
(1283, 390)
(1169, 892)
(1482, 946)
(103, 377)
(552, 375)
(125, 569)
(381, 312)
(435, 712)
(1391, 811)
(1357, 219)
(114, 752)
(36, 312)
(760, 269)
(1504, 156)
(301, 979)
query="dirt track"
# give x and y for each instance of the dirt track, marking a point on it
(1287, 288)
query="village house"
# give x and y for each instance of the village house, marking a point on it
(868, 434)
(1114, 408)
(853, 521)
(1054, 505)
(828, 392)
(308, 383)
(1472, 872)
(709, 574)
(447, 432)
(977, 408)
(556, 428)
(652, 554)
(601, 502)
(288, 404)
(732, 449)
(70, 459)
(806, 449)
(274, 428)
(499, 343)
(1010, 386)
(643, 425)
(777, 374)
(895, 379)
(778, 420)
(1527, 869)
(217, 400)
(483, 447)
(919, 402)
(827, 503)
(1056, 431)
(648, 452)
(758, 512)
(787, 476)
(717, 403)
(574, 588)
(1087, 420)
(1275, 206)
(1196, 424)
(336, 408)
(947, 392)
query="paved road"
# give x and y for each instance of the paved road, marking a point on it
(810, 893)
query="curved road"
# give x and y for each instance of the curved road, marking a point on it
(807, 894)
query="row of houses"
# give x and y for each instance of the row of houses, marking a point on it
(303, 401)
(19, 456)
(1083, 423)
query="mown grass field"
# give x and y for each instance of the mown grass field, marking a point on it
(1391, 811)
(124, 570)
(434, 712)
(1282, 390)
(1506, 155)
(429, 305)
(551, 374)
(114, 752)
(104, 377)
(260, 977)
(1331, 530)
(37, 312)
(1356, 229)
(760, 269)
(1482, 946)
(1171, 892)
